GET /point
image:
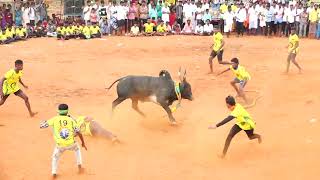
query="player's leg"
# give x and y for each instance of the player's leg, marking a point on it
(98, 130)
(55, 158)
(241, 90)
(212, 56)
(288, 62)
(22, 95)
(220, 57)
(233, 84)
(234, 130)
(251, 135)
(293, 59)
(76, 148)
(3, 99)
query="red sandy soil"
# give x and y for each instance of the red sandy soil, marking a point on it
(76, 72)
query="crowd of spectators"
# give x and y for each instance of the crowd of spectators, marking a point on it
(189, 17)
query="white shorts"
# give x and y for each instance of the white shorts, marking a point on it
(228, 28)
(262, 23)
(253, 24)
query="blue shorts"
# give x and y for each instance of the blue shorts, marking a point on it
(241, 82)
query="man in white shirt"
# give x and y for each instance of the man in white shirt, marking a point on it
(134, 32)
(207, 28)
(240, 18)
(253, 19)
(86, 12)
(299, 10)
(121, 17)
(199, 14)
(278, 18)
(199, 30)
(291, 16)
(188, 12)
(32, 14)
(228, 21)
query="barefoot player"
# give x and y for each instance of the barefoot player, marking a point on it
(10, 85)
(243, 122)
(64, 131)
(293, 49)
(217, 48)
(242, 77)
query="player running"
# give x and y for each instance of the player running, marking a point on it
(242, 77)
(243, 122)
(64, 131)
(10, 85)
(293, 49)
(217, 48)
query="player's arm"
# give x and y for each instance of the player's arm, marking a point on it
(222, 45)
(224, 71)
(25, 86)
(296, 46)
(226, 120)
(44, 124)
(1, 86)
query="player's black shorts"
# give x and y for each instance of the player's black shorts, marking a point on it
(214, 54)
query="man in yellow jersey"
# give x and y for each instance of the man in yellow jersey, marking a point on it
(3, 37)
(9, 84)
(70, 30)
(89, 127)
(64, 130)
(243, 122)
(86, 33)
(242, 77)
(95, 31)
(217, 48)
(21, 33)
(78, 30)
(293, 49)
(10, 33)
(148, 28)
(161, 29)
(62, 33)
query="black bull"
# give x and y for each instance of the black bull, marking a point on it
(160, 90)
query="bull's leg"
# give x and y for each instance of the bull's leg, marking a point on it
(136, 108)
(165, 106)
(117, 102)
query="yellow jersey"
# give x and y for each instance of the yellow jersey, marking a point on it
(95, 30)
(10, 33)
(243, 118)
(234, 8)
(3, 36)
(64, 130)
(62, 30)
(11, 84)
(70, 30)
(217, 39)
(162, 29)
(78, 30)
(148, 27)
(241, 73)
(313, 16)
(21, 32)
(293, 40)
(223, 8)
(86, 31)
(84, 126)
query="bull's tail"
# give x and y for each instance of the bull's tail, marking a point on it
(113, 84)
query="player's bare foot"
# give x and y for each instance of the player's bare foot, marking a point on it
(221, 156)
(80, 169)
(54, 176)
(115, 140)
(173, 123)
(33, 114)
(260, 140)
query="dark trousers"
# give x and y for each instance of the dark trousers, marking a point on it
(235, 130)
(240, 28)
(269, 28)
(142, 22)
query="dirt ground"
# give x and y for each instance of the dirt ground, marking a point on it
(76, 72)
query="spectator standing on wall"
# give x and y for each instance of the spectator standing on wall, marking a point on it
(87, 12)
(303, 23)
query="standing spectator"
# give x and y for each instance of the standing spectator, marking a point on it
(262, 18)
(286, 12)
(8, 16)
(87, 12)
(303, 23)
(18, 16)
(153, 12)
(188, 12)
(318, 28)
(25, 14)
(105, 28)
(179, 13)
(159, 9)
(228, 21)
(43, 10)
(313, 17)
(240, 18)
(253, 19)
(299, 10)
(172, 18)
(93, 16)
(143, 11)
(103, 10)
(132, 15)
(32, 14)
(165, 13)
(279, 18)
(269, 16)
(291, 18)
(206, 16)
(122, 16)
(199, 13)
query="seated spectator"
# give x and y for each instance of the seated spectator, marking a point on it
(149, 28)
(3, 36)
(10, 33)
(39, 30)
(207, 28)
(188, 28)
(78, 30)
(161, 29)
(21, 33)
(30, 30)
(86, 33)
(169, 29)
(62, 32)
(199, 30)
(71, 31)
(134, 31)
(153, 20)
(95, 31)
(176, 29)
(104, 26)
(51, 29)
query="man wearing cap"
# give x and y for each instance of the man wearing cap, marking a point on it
(64, 131)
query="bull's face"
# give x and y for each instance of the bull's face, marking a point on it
(186, 92)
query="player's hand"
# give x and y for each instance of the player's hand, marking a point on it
(212, 127)
(84, 146)
(27, 87)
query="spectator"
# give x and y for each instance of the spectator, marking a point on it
(93, 16)
(199, 30)
(86, 33)
(262, 19)
(159, 9)
(132, 14)
(51, 30)
(188, 11)
(279, 18)
(121, 17)
(3, 37)
(303, 23)
(143, 11)
(161, 29)
(43, 10)
(179, 13)
(30, 30)
(172, 18)
(8, 16)
(169, 29)
(40, 30)
(253, 19)
(206, 16)
(153, 12)
(148, 28)
(134, 31)
(240, 18)
(313, 17)
(318, 28)
(95, 31)
(21, 33)
(291, 18)
(199, 13)
(269, 15)
(207, 28)
(87, 12)
(32, 14)
(10, 33)
(104, 26)
(103, 10)
(228, 21)
(165, 13)
(188, 28)
(299, 10)
(113, 17)
(176, 29)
